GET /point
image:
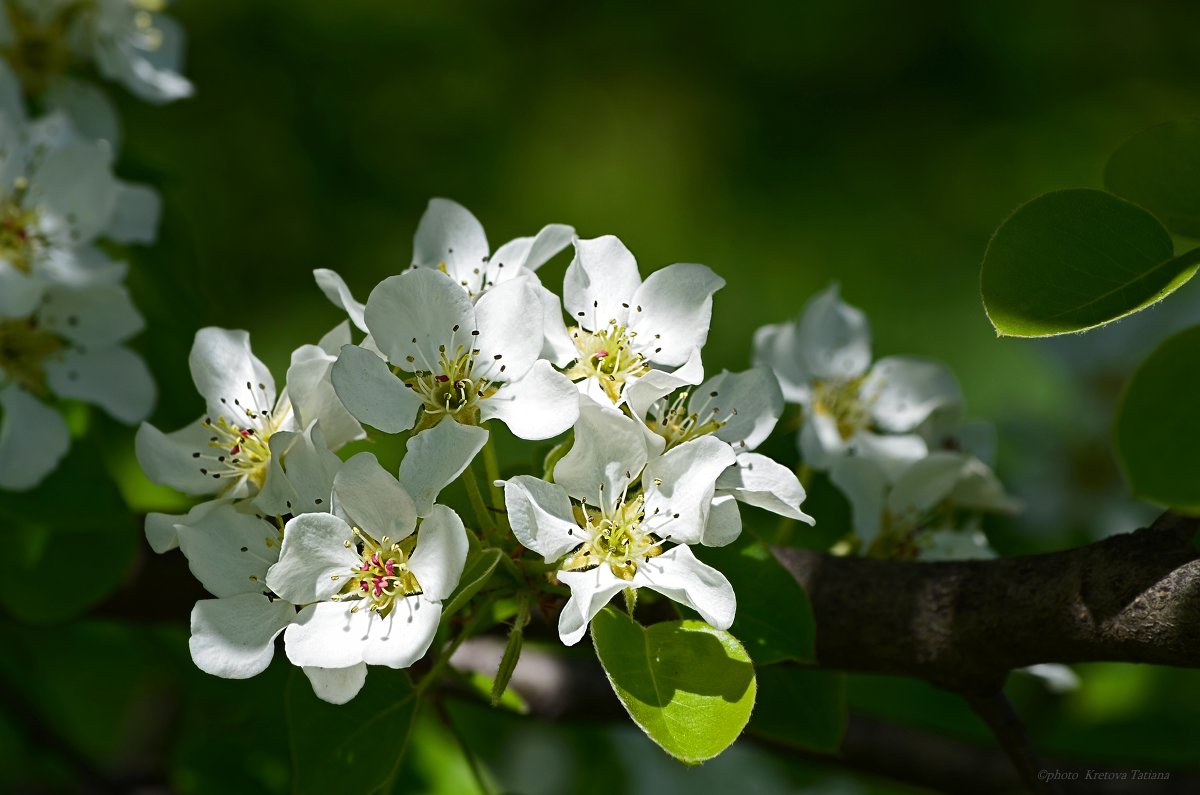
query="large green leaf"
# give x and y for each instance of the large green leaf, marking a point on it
(350, 748)
(774, 618)
(801, 707)
(688, 686)
(1076, 259)
(1159, 169)
(1158, 425)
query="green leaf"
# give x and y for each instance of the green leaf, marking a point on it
(774, 618)
(1076, 259)
(1159, 169)
(350, 748)
(801, 707)
(688, 686)
(475, 575)
(1158, 425)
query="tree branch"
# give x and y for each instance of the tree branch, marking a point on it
(964, 625)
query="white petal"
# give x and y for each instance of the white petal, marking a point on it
(33, 439)
(330, 635)
(557, 347)
(424, 305)
(229, 376)
(821, 443)
(528, 252)
(83, 267)
(405, 635)
(600, 283)
(136, 213)
(371, 392)
(449, 235)
(160, 527)
(590, 591)
(314, 398)
(91, 316)
(677, 575)
(833, 338)
(671, 312)
(506, 347)
(331, 341)
(762, 482)
(75, 186)
(541, 517)
(115, 379)
(902, 391)
(300, 473)
(338, 293)
(956, 545)
(89, 109)
(926, 483)
(608, 452)
(441, 551)
(1057, 678)
(724, 522)
(235, 637)
(228, 550)
(680, 485)
(542, 404)
(314, 552)
(978, 489)
(337, 685)
(748, 403)
(641, 392)
(170, 458)
(895, 453)
(865, 485)
(20, 292)
(435, 459)
(777, 347)
(369, 498)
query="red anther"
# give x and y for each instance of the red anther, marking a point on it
(601, 355)
(237, 448)
(443, 378)
(247, 433)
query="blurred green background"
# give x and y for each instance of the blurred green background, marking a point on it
(785, 145)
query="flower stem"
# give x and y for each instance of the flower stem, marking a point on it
(477, 504)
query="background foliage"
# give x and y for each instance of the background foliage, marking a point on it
(783, 145)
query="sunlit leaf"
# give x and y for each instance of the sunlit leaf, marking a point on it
(1076, 259)
(688, 686)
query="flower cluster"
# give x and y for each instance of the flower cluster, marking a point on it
(353, 564)
(889, 434)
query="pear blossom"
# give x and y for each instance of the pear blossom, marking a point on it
(370, 590)
(71, 347)
(241, 447)
(629, 505)
(740, 409)
(58, 196)
(851, 407)
(129, 41)
(453, 360)
(918, 513)
(634, 340)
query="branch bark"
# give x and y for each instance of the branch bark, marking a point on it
(964, 625)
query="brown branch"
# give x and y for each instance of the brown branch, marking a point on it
(964, 625)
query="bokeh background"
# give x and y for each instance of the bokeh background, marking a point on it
(786, 145)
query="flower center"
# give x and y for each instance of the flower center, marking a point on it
(675, 423)
(241, 451)
(842, 402)
(19, 235)
(448, 388)
(607, 356)
(382, 578)
(24, 349)
(619, 539)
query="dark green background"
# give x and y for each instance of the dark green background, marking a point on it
(785, 145)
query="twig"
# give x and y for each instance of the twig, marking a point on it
(997, 712)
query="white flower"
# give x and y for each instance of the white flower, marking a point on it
(229, 450)
(71, 348)
(630, 505)
(57, 197)
(372, 592)
(128, 41)
(917, 513)
(740, 409)
(823, 362)
(634, 341)
(457, 361)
